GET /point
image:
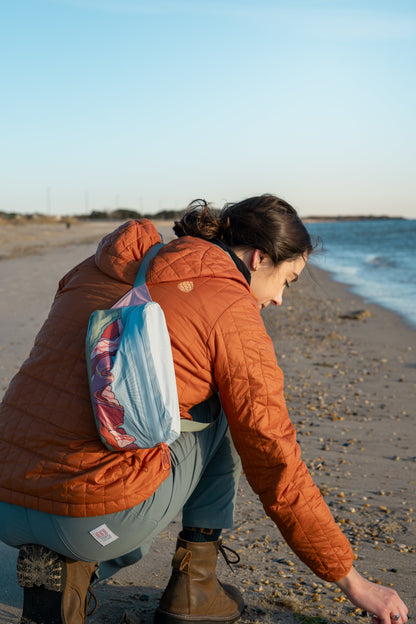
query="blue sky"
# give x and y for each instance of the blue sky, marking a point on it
(149, 104)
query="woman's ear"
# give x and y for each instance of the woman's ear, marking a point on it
(252, 258)
(257, 259)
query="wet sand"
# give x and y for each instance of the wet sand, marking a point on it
(350, 370)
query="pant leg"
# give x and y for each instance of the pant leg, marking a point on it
(212, 502)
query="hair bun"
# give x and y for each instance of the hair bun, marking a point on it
(199, 220)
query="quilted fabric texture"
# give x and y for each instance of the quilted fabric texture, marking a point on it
(51, 458)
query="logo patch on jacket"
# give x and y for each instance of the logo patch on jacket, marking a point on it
(186, 286)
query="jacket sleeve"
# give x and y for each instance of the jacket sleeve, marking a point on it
(250, 384)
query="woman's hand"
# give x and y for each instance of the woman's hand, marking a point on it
(383, 603)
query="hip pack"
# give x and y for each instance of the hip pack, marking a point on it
(131, 372)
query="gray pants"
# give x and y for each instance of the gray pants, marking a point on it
(203, 483)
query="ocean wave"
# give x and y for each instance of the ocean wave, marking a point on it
(376, 259)
(380, 261)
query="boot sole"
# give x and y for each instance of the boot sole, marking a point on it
(42, 574)
(38, 566)
(164, 617)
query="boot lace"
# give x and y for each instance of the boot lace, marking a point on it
(92, 602)
(229, 560)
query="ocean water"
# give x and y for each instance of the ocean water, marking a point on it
(376, 258)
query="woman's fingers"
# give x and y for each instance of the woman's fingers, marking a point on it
(389, 609)
(383, 603)
(398, 617)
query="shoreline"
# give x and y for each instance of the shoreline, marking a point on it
(350, 383)
(367, 301)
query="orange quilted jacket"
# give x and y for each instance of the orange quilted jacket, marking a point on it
(51, 458)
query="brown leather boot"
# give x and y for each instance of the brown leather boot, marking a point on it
(194, 595)
(55, 587)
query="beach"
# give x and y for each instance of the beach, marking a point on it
(350, 379)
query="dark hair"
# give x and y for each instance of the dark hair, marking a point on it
(265, 222)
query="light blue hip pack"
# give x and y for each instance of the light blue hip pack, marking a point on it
(131, 372)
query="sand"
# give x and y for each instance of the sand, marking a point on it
(350, 370)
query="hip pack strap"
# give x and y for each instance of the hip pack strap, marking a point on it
(193, 425)
(141, 274)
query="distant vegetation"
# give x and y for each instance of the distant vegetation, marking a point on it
(125, 214)
(120, 214)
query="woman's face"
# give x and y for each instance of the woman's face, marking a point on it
(268, 282)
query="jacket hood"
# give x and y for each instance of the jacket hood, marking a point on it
(119, 254)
